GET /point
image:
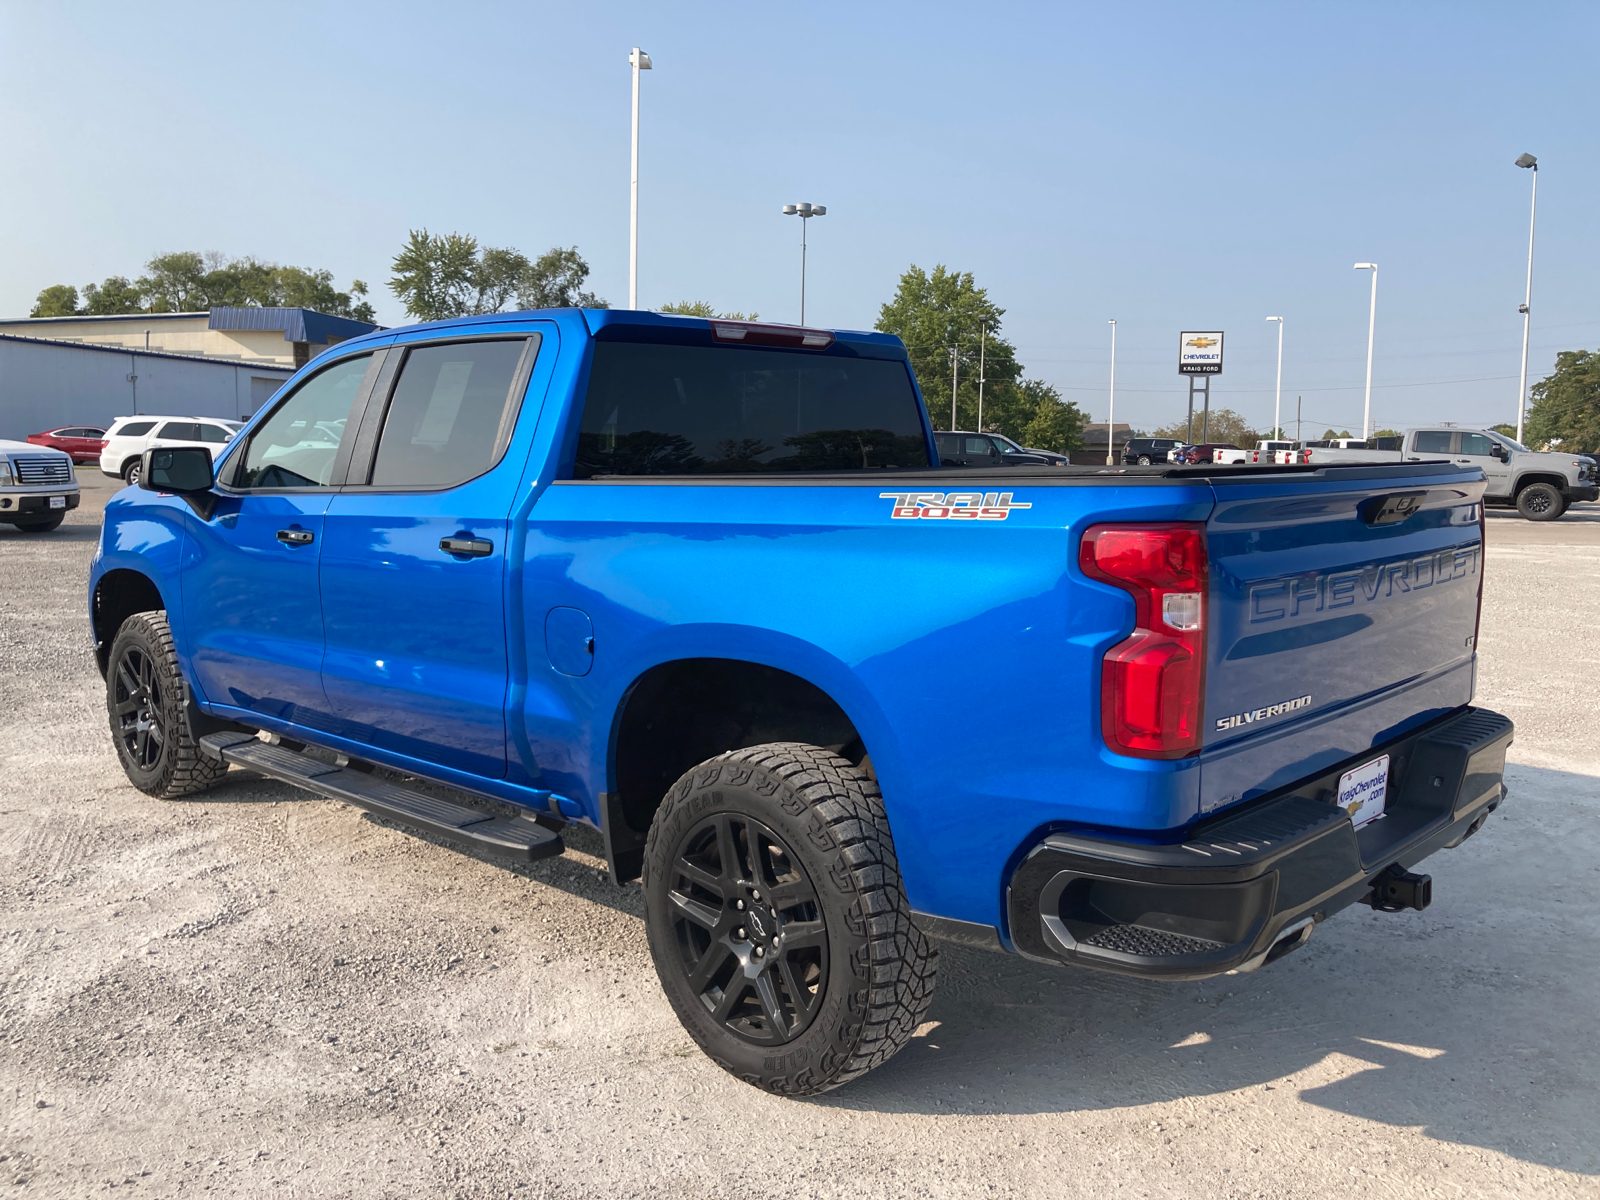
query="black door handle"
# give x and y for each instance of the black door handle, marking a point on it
(296, 537)
(469, 546)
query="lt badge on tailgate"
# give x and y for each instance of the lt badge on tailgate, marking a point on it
(952, 506)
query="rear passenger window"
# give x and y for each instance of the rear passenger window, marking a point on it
(135, 429)
(295, 446)
(1433, 441)
(182, 431)
(444, 421)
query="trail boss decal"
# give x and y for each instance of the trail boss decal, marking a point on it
(951, 506)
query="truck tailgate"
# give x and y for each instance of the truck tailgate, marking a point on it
(1341, 614)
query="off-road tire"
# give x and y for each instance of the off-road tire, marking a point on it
(130, 473)
(145, 704)
(1541, 502)
(878, 968)
(44, 526)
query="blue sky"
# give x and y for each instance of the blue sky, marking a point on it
(1172, 166)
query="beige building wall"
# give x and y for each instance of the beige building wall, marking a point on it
(180, 333)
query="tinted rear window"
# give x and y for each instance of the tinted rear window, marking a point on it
(682, 410)
(1432, 441)
(135, 428)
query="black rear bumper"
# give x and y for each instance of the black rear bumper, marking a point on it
(1248, 885)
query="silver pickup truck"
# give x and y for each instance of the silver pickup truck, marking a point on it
(37, 486)
(1539, 485)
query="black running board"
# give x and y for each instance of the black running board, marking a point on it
(516, 839)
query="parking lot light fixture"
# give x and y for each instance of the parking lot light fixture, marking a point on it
(1277, 394)
(805, 211)
(1111, 405)
(640, 61)
(1372, 321)
(1528, 162)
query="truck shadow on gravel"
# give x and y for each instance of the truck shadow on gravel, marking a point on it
(1471, 1021)
(1463, 1022)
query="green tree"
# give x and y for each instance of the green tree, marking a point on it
(700, 308)
(941, 318)
(1378, 433)
(114, 297)
(1566, 403)
(57, 300)
(1225, 426)
(1505, 429)
(447, 275)
(946, 321)
(556, 280)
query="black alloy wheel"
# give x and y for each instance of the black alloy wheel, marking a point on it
(777, 920)
(136, 707)
(1541, 502)
(145, 699)
(748, 929)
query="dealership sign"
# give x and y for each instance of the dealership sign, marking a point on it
(1200, 353)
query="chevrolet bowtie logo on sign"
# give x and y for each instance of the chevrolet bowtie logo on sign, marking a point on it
(1200, 353)
(951, 506)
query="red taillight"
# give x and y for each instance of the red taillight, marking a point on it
(104, 442)
(1152, 684)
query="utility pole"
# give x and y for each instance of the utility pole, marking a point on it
(983, 339)
(640, 62)
(1299, 434)
(955, 376)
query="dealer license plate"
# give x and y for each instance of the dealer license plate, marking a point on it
(58, 501)
(1364, 791)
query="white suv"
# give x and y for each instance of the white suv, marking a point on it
(129, 437)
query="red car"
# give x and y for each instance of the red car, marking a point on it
(1203, 453)
(80, 441)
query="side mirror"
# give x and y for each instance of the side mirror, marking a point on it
(1500, 452)
(181, 470)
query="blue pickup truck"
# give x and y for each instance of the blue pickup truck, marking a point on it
(704, 586)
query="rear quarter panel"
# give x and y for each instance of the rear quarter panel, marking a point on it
(965, 653)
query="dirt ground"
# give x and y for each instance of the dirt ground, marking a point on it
(256, 992)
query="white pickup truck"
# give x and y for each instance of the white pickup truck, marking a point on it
(1539, 485)
(37, 486)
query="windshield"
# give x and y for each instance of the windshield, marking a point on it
(1515, 445)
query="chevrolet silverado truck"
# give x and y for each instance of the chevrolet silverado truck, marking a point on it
(1539, 485)
(703, 586)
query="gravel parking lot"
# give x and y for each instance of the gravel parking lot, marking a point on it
(258, 992)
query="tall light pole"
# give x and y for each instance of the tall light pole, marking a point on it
(1277, 395)
(640, 62)
(1111, 405)
(1372, 324)
(1527, 160)
(805, 211)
